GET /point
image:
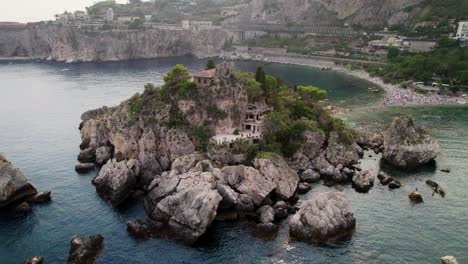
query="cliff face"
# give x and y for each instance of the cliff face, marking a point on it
(368, 13)
(61, 43)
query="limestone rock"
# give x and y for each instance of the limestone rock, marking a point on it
(266, 214)
(87, 156)
(310, 176)
(184, 163)
(230, 197)
(363, 181)
(248, 182)
(449, 260)
(117, 180)
(14, 186)
(407, 145)
(85, 250)
(303, 188)
(277, 171)
(340, 153)
(84, 167)
(394, 185)
(188, 205)
(103, 154)
(326, 218)
(313, 143)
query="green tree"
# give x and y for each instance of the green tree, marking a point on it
(177, 76)
(311, 94)
(393, 53)
(210, 65)
(136, 24)
(253, 88)
(260, 75)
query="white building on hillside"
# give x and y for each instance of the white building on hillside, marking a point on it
(462, 31)
(109, 15)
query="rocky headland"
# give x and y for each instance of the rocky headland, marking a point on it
(228, 145)
(66, 43)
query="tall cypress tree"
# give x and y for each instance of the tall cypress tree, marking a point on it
(210, 65)
(260, 75)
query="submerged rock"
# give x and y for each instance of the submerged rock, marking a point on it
(407, 145)
(84, 167)
(23, 208)
(363, 181)
(144, 229)
(14, 186)
(117, 180)
(394, 184)
(276, 170)
(448, 260)
(384, 180)
(35, 260)
(326, 218)
(435, 186)
(416, 197)
(303, 188)
(85, 250)
(42, 197)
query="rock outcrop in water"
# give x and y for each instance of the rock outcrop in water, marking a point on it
(70, 44)
(85, 250)
(326, 218)
(407, 145)
(14, 186)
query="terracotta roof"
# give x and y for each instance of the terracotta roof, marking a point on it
(206, 74)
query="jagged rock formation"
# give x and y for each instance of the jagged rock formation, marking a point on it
(407, 145)
(363, 181)
(367, 13)
(326, 218)
(14, 186)
(66, 43)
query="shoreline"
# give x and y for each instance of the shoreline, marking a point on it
(395, 95)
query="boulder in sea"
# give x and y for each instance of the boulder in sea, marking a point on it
(310, 176)
(23, 208)
(384, 180)
(303, 188)
(14, 186)
(84, 167)
(40, 198)
(407, 145)
(363, 181)
(448, 260)
(281, 210)
(117, 180)
(275, 169)
(85, 250)
(186, 203)
(394, 185)
(87, 156)
(338, 152)
(416, 197)
(35, 260)
(266, 214)
(326, 218)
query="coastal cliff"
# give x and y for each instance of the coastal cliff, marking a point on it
(365, 13)
(70, 44)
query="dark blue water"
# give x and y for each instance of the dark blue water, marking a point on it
(40, 108)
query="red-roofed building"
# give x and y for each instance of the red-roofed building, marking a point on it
(204, 78)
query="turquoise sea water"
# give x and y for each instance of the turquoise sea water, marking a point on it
(40, 108)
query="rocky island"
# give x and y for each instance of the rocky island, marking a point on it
(225, 143)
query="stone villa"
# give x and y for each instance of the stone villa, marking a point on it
(252, 117)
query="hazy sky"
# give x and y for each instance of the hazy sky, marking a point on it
(37, 10)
